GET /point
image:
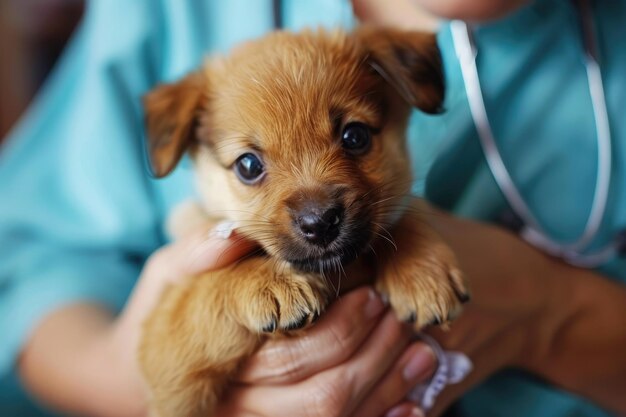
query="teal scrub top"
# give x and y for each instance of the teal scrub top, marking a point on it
(79, 213)
(537, 97)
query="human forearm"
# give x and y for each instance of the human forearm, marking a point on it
(585, 349)
(530, 311)
(81, 359)
(71, 365)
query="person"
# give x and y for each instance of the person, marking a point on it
(82, 220)
(81, 215)
(564, 337)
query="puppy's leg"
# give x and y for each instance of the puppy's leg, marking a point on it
(281, 300)
(201, 331)
(421, 278)
(191, 345)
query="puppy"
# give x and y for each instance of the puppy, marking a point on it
(300, 140)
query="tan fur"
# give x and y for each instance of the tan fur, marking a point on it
(286, 97)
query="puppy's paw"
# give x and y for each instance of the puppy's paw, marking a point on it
(428, 291)
(286, 303)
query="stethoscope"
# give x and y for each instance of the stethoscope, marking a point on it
(523, 219)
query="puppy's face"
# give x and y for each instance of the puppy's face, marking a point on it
(300, 137)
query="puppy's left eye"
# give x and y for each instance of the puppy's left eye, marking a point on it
(249, 168)
(356, 138)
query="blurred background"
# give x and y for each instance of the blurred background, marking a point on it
(33, 34)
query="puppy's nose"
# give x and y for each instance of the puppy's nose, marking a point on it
(320, 226)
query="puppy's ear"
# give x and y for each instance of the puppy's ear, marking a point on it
(171, 114)
(410, 62)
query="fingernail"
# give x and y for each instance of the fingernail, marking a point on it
(385, 299)
(420, 366)
(416, 412)
(400, 411)
(374, 305)
(405, 410)
(223, 230)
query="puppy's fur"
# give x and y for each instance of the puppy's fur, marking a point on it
(288, 99)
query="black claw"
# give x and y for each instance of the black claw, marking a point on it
(462, 296)
(315, 317)
(412, 318)
(436, 321)
(271, 327)
(298, 324)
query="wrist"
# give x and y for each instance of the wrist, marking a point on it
(102, 380)
(69, 362)
(560, 305)
(120, 380)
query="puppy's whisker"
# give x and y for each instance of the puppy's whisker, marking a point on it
(249, 255)
(329, 281)
(383, 200)
(226, 251)
(373, 190)
(387, 239)
(340, 273)
(380, 226)
(369, 245)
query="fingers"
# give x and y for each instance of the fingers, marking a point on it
(330, 342)
(416, 365)
(335, 392)
(206, 249)
(381, 350)
(405, 409)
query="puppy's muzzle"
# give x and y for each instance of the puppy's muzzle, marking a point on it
(319, 225)
(329, 226)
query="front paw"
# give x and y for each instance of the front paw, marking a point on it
(286, 303)
(426, 292)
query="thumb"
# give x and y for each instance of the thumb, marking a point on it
(206, 249)
(211, 247)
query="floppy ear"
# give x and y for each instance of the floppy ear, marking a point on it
(410, 62)
(171, 113)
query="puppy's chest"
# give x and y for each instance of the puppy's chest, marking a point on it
(362, 271)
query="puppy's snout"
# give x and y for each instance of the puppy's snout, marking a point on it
(318, 225)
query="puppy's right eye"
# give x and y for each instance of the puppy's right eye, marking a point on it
(249, 168)
(356, 138)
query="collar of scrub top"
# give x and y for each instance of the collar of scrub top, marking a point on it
(521, 218)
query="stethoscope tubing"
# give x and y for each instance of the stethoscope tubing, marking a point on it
(532, 232)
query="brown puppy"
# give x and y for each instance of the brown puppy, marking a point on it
(300, 139)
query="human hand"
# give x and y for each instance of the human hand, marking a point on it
(515, 302)
(357, 361)
(208, 248)
(81, 358)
